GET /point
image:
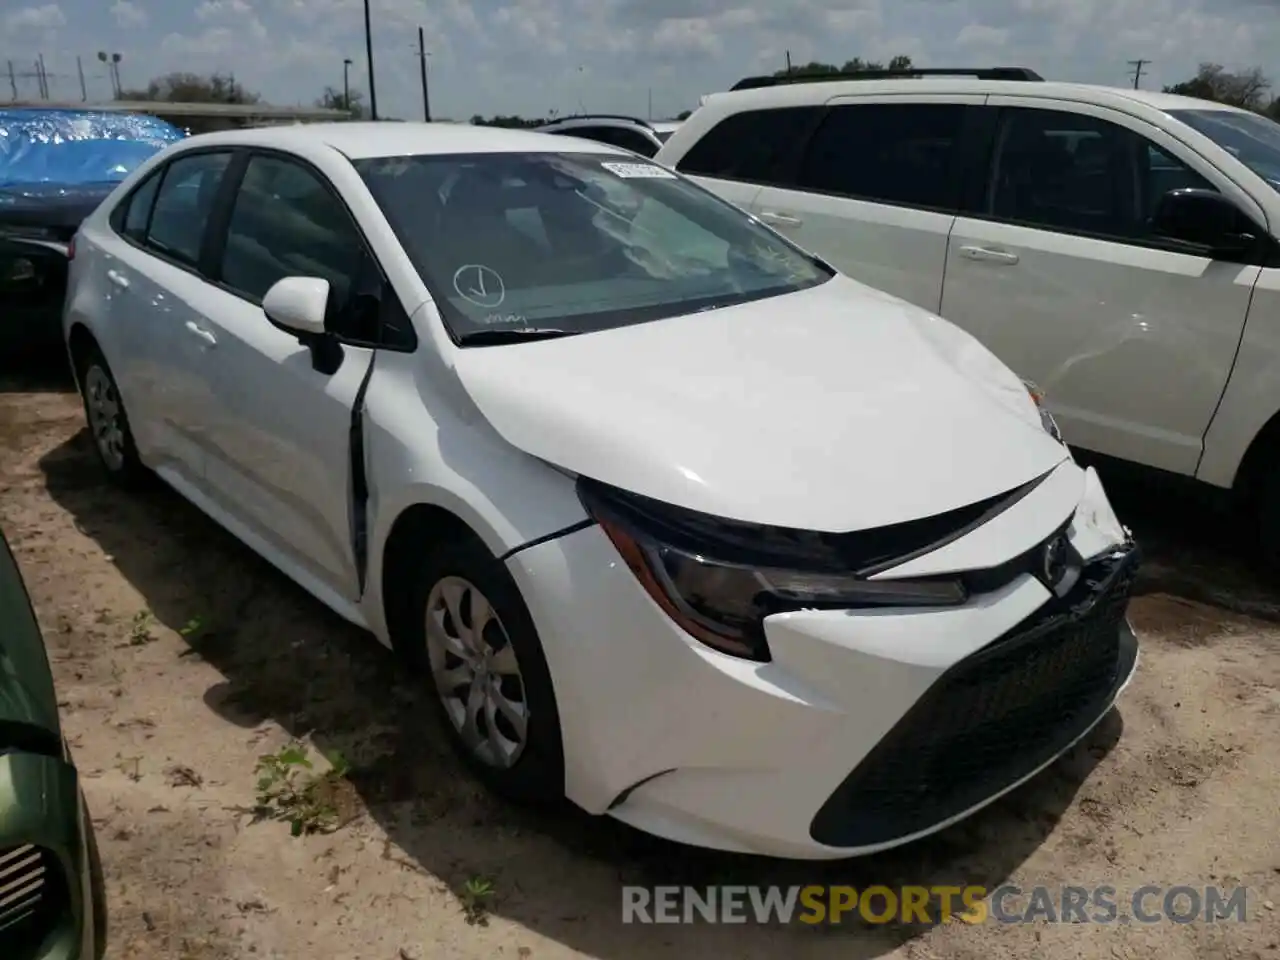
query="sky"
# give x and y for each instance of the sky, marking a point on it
(531, 57)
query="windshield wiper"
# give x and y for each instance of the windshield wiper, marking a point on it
(502, 335)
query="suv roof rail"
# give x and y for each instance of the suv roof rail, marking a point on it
(602, 116)
(980, 73)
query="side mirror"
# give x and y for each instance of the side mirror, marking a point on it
(298, 305)
(1206, 219)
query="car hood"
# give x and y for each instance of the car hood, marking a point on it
(836, 408)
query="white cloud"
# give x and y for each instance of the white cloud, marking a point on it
(128, 15)
(981, 35)
(214, 9)
(46, 17)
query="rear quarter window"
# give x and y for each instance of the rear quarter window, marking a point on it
(750, 146)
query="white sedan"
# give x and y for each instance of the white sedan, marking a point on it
(674, 519)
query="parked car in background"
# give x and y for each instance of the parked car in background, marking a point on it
(52, 903)
(677, 520)
(55, 168)
(630, 133)
(1118, 247)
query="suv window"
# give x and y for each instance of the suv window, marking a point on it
(183, 204)
(138, 208)
(1076, 173)
(750, 145)
(893, 153)
(286, 222)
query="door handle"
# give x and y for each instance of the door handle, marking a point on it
(118, 278)
(780, 219)
(202, 333)
(987, 255)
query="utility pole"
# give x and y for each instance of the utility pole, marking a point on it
(346, 84)
(84, 91)
(788, 61)
(422, 66)
(1137, 70)
(42, 78)
(13, 81)
(368, 49)
(651, 104)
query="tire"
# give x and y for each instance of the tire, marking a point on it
(1267, 514)
(451, 577)
(97, 886)
(104, 413)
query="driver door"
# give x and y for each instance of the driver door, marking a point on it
(279, 457)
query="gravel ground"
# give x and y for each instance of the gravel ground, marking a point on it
(181, 658)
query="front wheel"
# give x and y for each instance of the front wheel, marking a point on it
(474, 642)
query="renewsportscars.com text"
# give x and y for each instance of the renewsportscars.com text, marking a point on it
(818, 904)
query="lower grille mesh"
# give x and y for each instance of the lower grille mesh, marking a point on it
(30, 898)
(991, 719)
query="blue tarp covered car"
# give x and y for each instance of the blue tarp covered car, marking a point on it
(56, 166)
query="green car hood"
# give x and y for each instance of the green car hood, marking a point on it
(28, 703)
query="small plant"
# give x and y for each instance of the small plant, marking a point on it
(475, 896)
(140, 629)
(288, 790)
(192, 627)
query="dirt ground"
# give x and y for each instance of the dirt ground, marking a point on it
(181, 658)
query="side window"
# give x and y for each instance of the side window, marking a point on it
(286, 222)
(183, 204)
(1158, 173)
(1062, 171)
(138, 208)
(894, 153)
(750, 145)
(631, 140)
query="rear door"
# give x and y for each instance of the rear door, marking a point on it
(877, 189)
(747, 150)
(159, 344)
(1055, 267)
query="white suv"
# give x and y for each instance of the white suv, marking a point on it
(1117, 247)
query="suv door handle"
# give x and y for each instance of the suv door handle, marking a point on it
(118, 278)
(780, 219)
(202, 333)
(987, 255)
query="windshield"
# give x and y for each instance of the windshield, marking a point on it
(574, 242)
(1249, 137)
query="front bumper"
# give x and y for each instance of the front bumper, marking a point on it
(936, 712)
(46, 884)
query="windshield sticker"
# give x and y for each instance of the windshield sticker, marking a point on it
(634, 171)
(480, 285)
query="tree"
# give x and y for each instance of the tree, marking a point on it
(334, 99)
(508, 121)
(1247, 89)
(193, 88)
(856, 65)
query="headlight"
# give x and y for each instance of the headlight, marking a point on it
(719, 579)
(1046, 418)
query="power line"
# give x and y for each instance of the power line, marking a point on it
(1137, 70)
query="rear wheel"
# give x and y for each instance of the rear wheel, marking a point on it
(108, 423)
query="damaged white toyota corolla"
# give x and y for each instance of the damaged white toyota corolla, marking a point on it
(675, 520)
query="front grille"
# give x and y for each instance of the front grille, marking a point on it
(994, 717)
(31, 898)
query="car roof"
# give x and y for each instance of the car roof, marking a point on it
(361, 140)
(790, 94)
